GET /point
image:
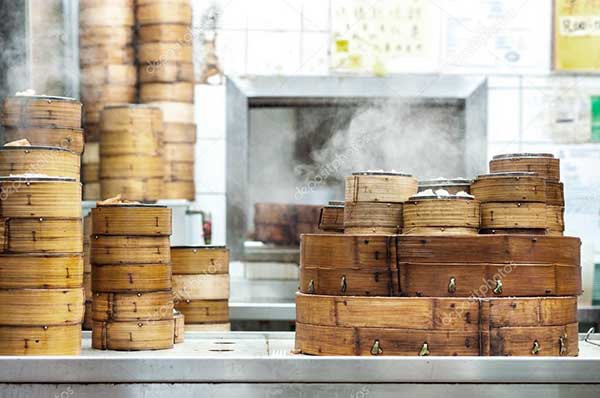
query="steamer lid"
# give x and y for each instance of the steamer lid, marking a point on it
(449, 181)
(523, 155)
(44, 97)
(36, 178)
(381, 173)
(132, 205)
(209, 247)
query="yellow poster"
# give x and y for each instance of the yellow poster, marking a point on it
(577, 35)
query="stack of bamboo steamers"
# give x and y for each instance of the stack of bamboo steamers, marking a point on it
(454, 274)
(41, 263)
(166, 74)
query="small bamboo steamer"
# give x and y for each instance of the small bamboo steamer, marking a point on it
(190, 260)
(132, 219)
(166, 72)
(331, 218)
(179, 171)
(179, 132)
(140, 189)
(67, 138)
(201, 287)
(131, 166)
(40, 197)
(176, 112)
(555, 220)
(110, 74)
(91, 191)
(527, 215)
(40, 340)
(204, 311)
(178, 152)
(544, 164)
(138, 141)
(118, 36)
(451, 185)
(165, 52)
(41, 111)
(555, 195)
(106, 15)
(133, 335)
(90, 172)
(29, 271)
(165, 32)
(87, 318)
(131, 278)
(165, 12)
(50, 161)
(108, 93)
(173, 91)
(375, 186)
(152, 306)
(41, 235)
(179, 330)
(128, 118)
(373, 218)
(179, 190)
(509, 187)
(105, 54)
(445, 215)
(28, 307)
(129, 250)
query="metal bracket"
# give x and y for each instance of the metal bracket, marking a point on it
(424, 350)
(587, 337)
(536, 348)
(498, 288)
(311, 287)
(562, 342)
(376, 348)
(343, 285)
(452, 285)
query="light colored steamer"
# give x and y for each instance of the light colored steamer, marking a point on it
(132, 219)
(39, 197)
(152, 306)
(164, 12)
(446, 215)
(50, 161)
(173, 152)
(166, 32)
(388, 187)
(90, 173)
(108, 93)
(41, 235)
(41, 111)
(108, 250)
(145, 189)
(131, 166)
(544, 164)
(67, 138)
(373, 218)
(179, 171)
(165, 52)
(173, 91)
(514, 216)
(133, 335)
(179, 132)
(509, 187)
(176, 112)
(190, 260)
(96, 75)
(40, 340)
(93, 15)
(179, 190)
(87, 285)
(28, 307)
(179, 329)
(105, 54)
(29, 271)
(452, 185)
(201, 287)
(166, 72)
(118, 36)
(131, 278)
(204, 311)
(91, 191)
(208, 327)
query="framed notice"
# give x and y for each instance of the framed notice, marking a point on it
(577, 35)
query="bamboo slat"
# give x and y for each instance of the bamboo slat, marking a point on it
(177, 52)
(132, 219)
(331, 218)
(87, 318)
(555, 193)
(39, 197)
(179, 327)
(545, 164)
(452, 215)
(106, 15)
(140, 189)
(373, 218)
(131, 278)
(201, 287)
(41, 271)
(67, 138)
(138, 166)
(166, 72)
(203, 311)
(179, 190)
(208, 327)
(380, 187)
(130, 250)
(30, 307)
(186, 260)
(453, 186)
(41, 235)
(49, 161)
(165, 12)
(176, 112)
(40, 340)
(97, 75)
(555, 220)
(168, 33)
(108, 93)
(528, 215)
(118, 36)
(133, 336)
(106, 54)
(41, 111)
(91, 153)
(173, 91)
(153, 306)
(509, 187)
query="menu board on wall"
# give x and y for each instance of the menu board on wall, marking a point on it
(577, 35)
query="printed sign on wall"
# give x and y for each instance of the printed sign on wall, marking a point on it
(577, 35)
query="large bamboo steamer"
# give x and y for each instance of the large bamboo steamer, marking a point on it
(388, 187)
(90, 172)
(173, 152)
(133, 335)
(329, 325)
(41, 111)
(108, 93)
(165, 32)
(129, 118)
(160, 52)
(176, 112)
(130, 250)
(131, 278)
(29, 271)
(350, 281)
(49, 161)
(166, 72)
(331, 218)
(40, 340)
(106, 54)
(373, 218)
(132, 219)
(40, 197)
(131, 166)
(509, 187)
(165, 12)
(152, 306)
(428, 215)
(67, 138)
(173, 91)
(106, 15)
(179, 190)
(514, 216)
(555, 220)
(179, 330)
(190, 260)
(179, 171)
(27, 307)
(204, 311)
(111, 74)
(544, 164)
(555, 193)
(141, 189)
(118, 36)
(201, 287)
(41, 235)
(452, 185)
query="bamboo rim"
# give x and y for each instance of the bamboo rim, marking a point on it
(201, 287)
(388, 188)
(136, 220)
(49, 161)
(108, 93)
(91, 153)
(118, 36)
(67, 138)
(41, 235)
(40, 340)
(174, 152)
(94, 55)
(204, 311)
(199, 260)
(131, 278)
(373, 215)
(91, 191)
(62, 271)
(555, 193)
(152, 306)
(43, 307)
(165, 32)
(111, 74)
(509, 187)
(106, 15)
(128, 118)
(555, 219)
(179, 170)
(458, 214)
(179, 190)
(165, 52)
(172, 91)
(452, 185)
(527, 215)
(164, 13)
(133, 336)
(176, 112)
(131, 166)
(107, 250)
(41, 111)
(87, 318)
(546, 165)
(90, 173)
(42, 198)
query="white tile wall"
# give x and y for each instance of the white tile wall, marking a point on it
(210, 166)
(210, 111)
(273, 53)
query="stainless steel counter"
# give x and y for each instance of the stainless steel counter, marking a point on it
(257, 364)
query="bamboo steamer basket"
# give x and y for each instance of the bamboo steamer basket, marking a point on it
(544, 164)
(175, 171)
(138, 141)
(67, 138)
(166, 72)
(92, 113)
(49, 161)
(509, 187)
(90, 172)
(331, 218)
(190, 260)
(179, 132)
(87, 318)
(164, 12)
(204, 311)
(555, 193)
(29, 271)
(91, 191)
(133, 335)
(132, 219)
(131, 166)
(330, 325)
(514, 216)
(375, 186)
(41, 111)
(41, 235)
(106, 54)
(28, 307)
(208, 327)
(106, 15)
(159, 52)
(178, 152)
(91, 153)
(131, 278)
(40, 340)
(96, 75)
(128, 118)
(431, 215)
(173, 91)
(118, 36)
(108, 93)
(179, 330)
(129, 250)
(92, 133)
(555, 220)
(176, 112)
(201, 287)
(179, 190)
(141, 189)
(165, 32)
(39, 197)
(152, 306)
(373, 218)
(452, 185)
